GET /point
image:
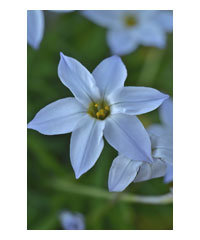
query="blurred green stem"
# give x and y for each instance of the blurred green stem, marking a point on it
(65, 186)
(151, 67)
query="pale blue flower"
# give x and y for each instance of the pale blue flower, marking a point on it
(72, 221)
(164, 135)
(128, 29)
(125, 170)
(101, 106)
(35, 26)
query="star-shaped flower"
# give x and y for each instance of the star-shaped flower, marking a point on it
(125, 170)
(128, 29)
(101, 106)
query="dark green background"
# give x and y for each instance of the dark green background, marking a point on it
(48, 156)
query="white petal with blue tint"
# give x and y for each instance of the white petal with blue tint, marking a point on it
(163, 148)
(149, 171)
(58, 117)
(128, 136)
(169, 174)
(152, 35)
(165, 20)
(35, 27)
(78, 79)
(166, 113)
(110, 75)
(108, 18)
(122, 172)
(136, 100)
(123, 41)
(86, 144)
(156, 130)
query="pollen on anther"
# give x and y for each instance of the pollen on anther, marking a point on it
(101, 112)
(98, 114)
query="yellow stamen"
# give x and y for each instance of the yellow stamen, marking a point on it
(98, 114)
(130, 21)
(101, 112)
(107, 108)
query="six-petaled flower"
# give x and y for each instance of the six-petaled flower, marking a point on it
(101, 106)
(128, 29)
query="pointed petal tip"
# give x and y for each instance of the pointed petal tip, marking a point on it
(61, 54)
(29, 125)
(35, 46)
(166, 96)
(78, 175)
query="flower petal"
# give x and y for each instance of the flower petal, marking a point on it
(166, 113)
(58, 117)
(169, 174)
(136, 100)
(128, 136)
(108, 18)
(86, 144)
(123, 41)
(156, 130)
(122, 173)
(152, 35)
(165, 19)
(163, 148)
(148, 171)
(78, 79)
(35, 27)
(110, 75)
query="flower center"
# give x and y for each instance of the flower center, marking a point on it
(99, 110)
(130, 21)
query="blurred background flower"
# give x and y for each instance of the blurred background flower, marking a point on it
(35, 26)
(162, 138)
(72, 221)
(128, 29)
(124, 170)
(51, 182)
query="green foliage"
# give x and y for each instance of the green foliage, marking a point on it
(48, 156)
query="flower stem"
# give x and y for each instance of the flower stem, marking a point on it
(65, 186)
